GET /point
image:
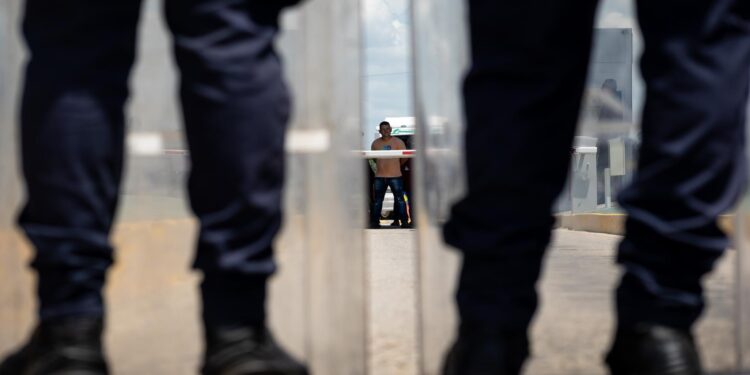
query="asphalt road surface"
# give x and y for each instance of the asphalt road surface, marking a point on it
(572, 328)
(156, 331)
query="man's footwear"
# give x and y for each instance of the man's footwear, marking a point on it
(484, 352)
(70, 346)
(246, 351)
(653, 350)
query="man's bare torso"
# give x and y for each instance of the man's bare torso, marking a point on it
(388, 167)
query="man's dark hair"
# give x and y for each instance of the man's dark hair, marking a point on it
(384, 123)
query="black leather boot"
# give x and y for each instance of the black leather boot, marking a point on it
(246, 351)
(650, 349)
(70, 346)
(481, 351)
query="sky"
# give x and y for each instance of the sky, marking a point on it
(387, 57)
(387, 70)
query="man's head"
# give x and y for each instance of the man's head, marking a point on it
(609, 86)
(385, 129)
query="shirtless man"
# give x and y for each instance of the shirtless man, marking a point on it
(388, 173)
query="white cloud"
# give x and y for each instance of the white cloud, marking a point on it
(616, 14)
(385, 22)
(616, 20)
(387, 62)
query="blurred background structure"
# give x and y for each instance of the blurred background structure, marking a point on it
(347, 300)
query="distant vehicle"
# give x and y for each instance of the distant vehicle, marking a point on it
(401, 127)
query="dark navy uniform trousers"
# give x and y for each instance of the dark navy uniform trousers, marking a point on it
(235, 107)
(523, 91)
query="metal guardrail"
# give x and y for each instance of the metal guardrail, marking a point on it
(388, 154)
(585, 150)
(366, 154)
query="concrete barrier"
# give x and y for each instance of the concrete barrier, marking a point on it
(615, 223)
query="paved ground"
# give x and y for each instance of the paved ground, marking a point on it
(570, 332)
(392, 309)
(572, 328)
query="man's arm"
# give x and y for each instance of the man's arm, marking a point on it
(400, 145)
(372, 161)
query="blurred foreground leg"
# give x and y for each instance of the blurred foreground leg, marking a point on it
(72, 125)
(235, 106)
(522, 97)
(691, 169)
